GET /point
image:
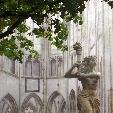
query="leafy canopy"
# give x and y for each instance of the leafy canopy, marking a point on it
(13, 14)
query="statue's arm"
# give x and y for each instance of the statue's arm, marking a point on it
(88, 75)
(69, 74)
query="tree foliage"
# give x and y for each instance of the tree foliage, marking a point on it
(13, 14)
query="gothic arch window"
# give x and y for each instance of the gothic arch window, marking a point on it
(62, 107)
(54, 107)
(59, 66)
(32, 67)
(53, 67)
(36, 68)
(72, 102)
(8, 105)
(32, 104)
(56, 101)
(28, 66)
(11, 65)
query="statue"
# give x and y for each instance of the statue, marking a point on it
(87, 99)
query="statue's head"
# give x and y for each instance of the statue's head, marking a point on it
(88, 64)
(90, 60)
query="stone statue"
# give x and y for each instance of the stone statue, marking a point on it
(87, 99)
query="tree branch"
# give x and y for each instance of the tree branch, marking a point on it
(5, 14)
(21, 17)
(11, 28)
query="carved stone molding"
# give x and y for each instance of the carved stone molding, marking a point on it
(8, 104)
(32, 103)
(72, 102)
(59, 100)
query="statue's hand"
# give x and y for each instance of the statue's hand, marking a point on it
(76, 65)
(69, 73)
(78, 74)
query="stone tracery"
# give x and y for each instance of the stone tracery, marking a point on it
(32, 104)
(8, 105)
(59, 100)
(72, 101)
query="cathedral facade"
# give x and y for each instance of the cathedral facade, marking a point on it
(38, 85)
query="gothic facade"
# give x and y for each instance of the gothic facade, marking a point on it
(38, 86)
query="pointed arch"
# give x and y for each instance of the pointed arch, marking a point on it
(8, 103)
(28, 66)
(53, 67)
(54, 107)
(53, 96)
(72, 101)
(51, 100)
(36, 67)
(62, 106)
(72, 94)
(59, 65)
(33, 105)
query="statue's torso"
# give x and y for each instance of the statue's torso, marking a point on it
(89, 83)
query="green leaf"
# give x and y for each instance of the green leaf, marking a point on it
(40, 11)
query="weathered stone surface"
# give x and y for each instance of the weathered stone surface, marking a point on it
(87, 99)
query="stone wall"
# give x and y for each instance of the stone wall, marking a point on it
(13, 94)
